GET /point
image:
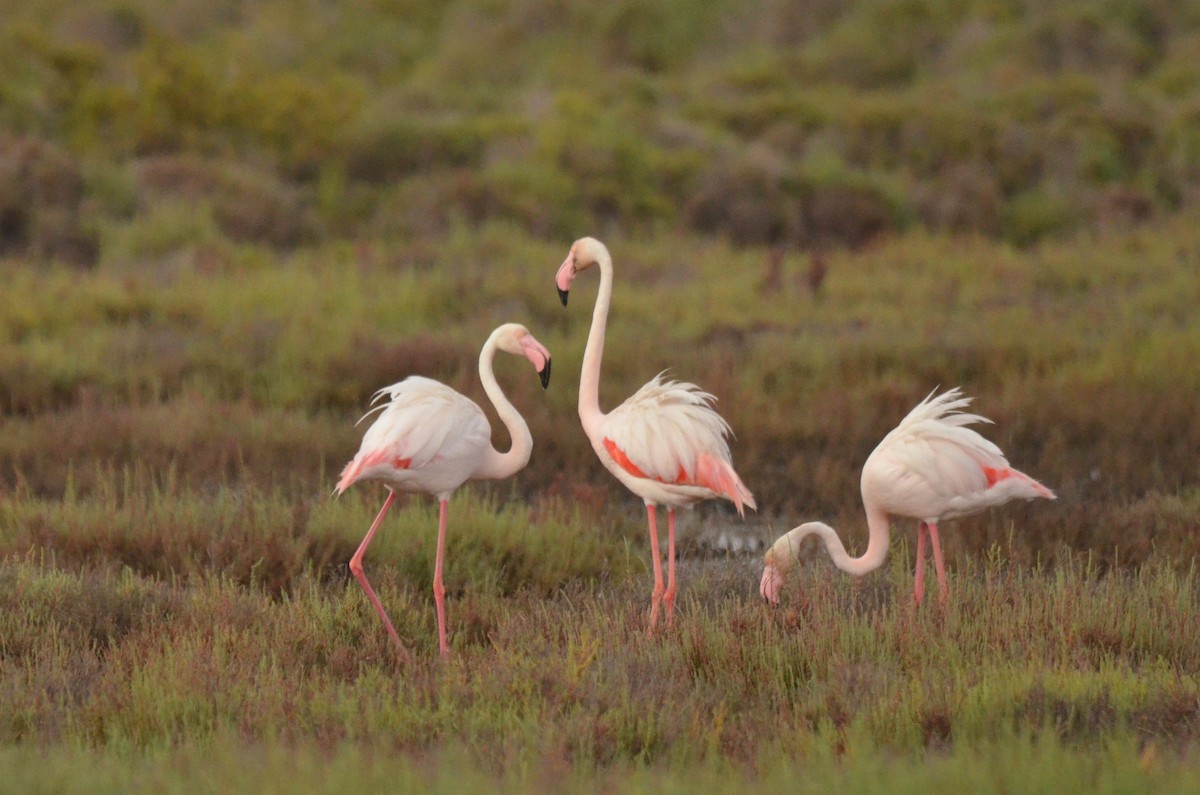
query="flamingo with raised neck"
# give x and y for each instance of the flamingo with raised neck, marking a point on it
(665, 443)
(431, 439)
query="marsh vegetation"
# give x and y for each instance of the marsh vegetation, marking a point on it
(223, 226)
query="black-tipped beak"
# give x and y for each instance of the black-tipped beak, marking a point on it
(545, 374)
(562, 295)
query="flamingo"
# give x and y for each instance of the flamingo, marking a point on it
(665, 442)
(930, 467)
(428, 438)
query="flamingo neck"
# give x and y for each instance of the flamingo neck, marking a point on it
(497, 465)
(784, 553)
(589, 377)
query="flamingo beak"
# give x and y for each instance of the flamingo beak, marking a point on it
(566, 272)
(539, 354)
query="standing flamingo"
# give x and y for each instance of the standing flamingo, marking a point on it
(665, 442)
(429, 438)
(930, 467)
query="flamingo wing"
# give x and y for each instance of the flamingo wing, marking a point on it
(668, 432)
(659, 432)
(932, 465)
(422, 423)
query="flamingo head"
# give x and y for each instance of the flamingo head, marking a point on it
(776, 564)
(515, 339)
(772, 582)
(585, 252)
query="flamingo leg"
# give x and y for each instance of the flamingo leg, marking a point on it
(669, 596)
(939, 564)
(656, 559)
(919, 575)
(356, 568)
(439, 589)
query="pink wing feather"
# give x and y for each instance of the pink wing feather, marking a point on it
(667, 431)
(933, 466)
(422, 422)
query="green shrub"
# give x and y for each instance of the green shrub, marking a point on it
(41, 193)
(1036, 214)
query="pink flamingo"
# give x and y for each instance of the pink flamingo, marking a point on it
(930, 467)
(431, 439)
(665, 443)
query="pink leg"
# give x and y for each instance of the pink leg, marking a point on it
(656, 558)
(939, 564)
(669, 596)
(439, 590)
(356, 568)
(919, 576)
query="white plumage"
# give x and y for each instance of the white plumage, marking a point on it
(429, 438)
(930, 467)
(426, 438)
(665, 430)
(665, 443)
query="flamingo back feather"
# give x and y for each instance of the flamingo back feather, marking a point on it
(667, 431)
(932, 465)
(422, 421)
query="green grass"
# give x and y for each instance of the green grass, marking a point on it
(1088, 670)
(260, 367)
(174, 582)
(176, 605)
(1034, 766)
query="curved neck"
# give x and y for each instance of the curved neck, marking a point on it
(589, 377)
(495, 464)
(783, 553)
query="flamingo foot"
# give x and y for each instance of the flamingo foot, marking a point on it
(401, 651)
(656, 601)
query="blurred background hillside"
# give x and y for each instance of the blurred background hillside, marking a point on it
(129, 126)
(224, 224)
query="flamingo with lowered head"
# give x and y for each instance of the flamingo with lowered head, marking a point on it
(665, 442)
(930, 467)
(428, 438)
